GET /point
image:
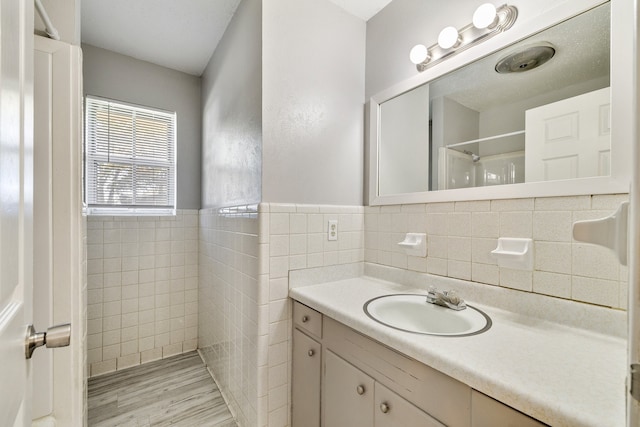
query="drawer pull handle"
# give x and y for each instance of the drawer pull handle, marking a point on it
(360, 390)
(311, 353)
(305, 319)
(384, 407)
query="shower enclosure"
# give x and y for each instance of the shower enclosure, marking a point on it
(482, 162)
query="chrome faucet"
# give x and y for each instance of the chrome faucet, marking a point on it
(449, 299)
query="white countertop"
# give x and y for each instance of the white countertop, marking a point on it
(560, 375)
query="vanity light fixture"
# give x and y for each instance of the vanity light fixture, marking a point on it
(488, 21)
(485, 16)
(449, 38)
(419, 54)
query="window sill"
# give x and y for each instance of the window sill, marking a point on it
(88, 211)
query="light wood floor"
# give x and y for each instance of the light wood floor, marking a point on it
(176, 391)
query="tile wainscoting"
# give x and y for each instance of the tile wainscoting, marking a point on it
(244, 328)
(461, 236)
(142, 275)
(229, 306)
(294, 237)
(246, 254)
(156, 283)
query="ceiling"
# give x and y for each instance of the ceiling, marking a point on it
(177, 34)
(363, 9)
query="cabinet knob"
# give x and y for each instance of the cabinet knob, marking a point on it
(360, 390)
(311, 353)
(384, 407)
(305, 319)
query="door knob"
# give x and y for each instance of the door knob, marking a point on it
(56, 336)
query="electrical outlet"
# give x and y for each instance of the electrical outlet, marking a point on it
(332, 232)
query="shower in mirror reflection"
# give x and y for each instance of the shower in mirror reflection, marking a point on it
(474, 157)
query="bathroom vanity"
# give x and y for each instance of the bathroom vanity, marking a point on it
(349, 370)
(364, 383)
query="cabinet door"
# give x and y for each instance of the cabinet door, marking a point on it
(347, 394)
(306, 375)
(392, 410)
(487, 412)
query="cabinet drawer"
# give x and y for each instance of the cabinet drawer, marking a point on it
(307, 319)
(487, 412)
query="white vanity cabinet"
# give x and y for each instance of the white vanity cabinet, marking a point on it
(343, 378)
(306, 367)
(487, 412)
(400, 382)
(392, 410)
(352, 398)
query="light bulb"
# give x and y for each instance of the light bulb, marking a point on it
(485, 16)
(448, 38)
(419, 54)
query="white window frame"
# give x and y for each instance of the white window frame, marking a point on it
(92, 208)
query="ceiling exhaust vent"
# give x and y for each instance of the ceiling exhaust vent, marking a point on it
(525, 59)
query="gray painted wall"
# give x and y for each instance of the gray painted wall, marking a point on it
(111, 75)
(313, 96)
(232, 113)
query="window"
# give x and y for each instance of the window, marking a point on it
(130, 159)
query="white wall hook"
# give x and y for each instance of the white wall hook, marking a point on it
(415, 244)
(610, 232)
(514, 253)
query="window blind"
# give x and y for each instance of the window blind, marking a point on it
(130, 159)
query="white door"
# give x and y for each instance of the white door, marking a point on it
(569, 138)
(16, 258)
(58, 375)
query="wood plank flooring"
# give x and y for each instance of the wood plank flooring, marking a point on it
(176, 391)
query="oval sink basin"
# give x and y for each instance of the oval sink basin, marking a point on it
(411, 313)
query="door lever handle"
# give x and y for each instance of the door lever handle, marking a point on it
(56, 336)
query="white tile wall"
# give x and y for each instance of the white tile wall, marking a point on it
(142, 275)
(295, 237)
(462, 234)
(246, 254)
(231, 295)
(244, 310)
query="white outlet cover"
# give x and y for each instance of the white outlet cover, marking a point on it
(332, 229)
